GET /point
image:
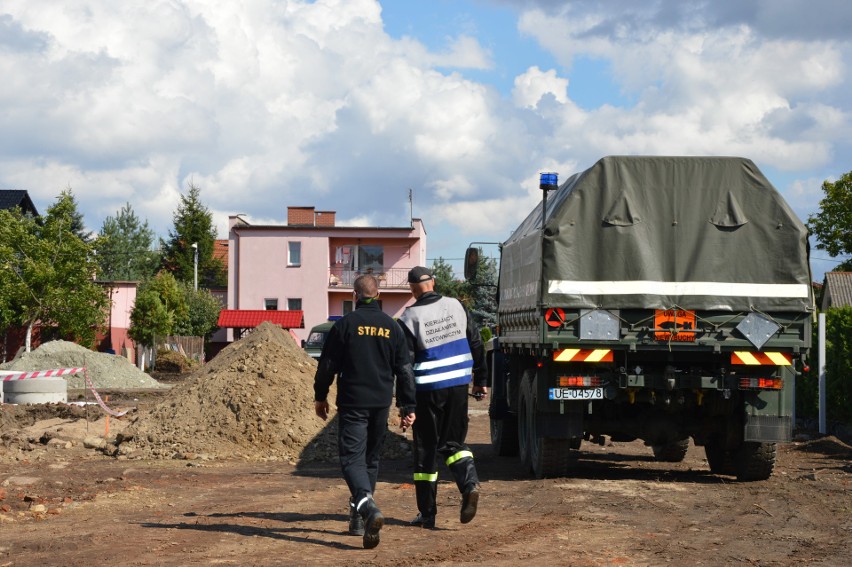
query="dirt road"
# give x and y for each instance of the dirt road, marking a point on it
(67, 505)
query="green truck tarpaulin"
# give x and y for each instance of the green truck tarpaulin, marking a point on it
(708, 233)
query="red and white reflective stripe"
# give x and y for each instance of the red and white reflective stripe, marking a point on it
(583, 355)
(761, 358)
(40, 373)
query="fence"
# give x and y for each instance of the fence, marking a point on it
(190, 347)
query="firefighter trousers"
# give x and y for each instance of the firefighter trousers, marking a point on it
(360, 433)
(440, 430)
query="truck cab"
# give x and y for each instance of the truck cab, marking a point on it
(316, 339)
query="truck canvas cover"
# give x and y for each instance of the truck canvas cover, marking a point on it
(708, 233)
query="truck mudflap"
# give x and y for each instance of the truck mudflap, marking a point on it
(768, 414)
(768, 428)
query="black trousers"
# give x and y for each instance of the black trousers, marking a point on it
(440, 429)
(360, 433)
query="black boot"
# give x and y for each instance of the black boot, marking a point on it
(422, 521)
(356, 522)
(373, 522)
(470, 500)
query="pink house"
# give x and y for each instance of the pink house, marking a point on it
(123, 296)
(309, 264)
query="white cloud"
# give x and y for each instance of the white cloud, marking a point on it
(531, 86)
(721, 91)
(264, 104)
(465, 53)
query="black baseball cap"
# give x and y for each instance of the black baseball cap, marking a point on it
(419, 274)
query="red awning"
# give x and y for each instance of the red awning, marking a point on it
(245, 319)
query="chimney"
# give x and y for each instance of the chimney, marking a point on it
(325, 218)
(300, 216)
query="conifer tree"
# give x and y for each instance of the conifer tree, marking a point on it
(124, 248)
(193, 224)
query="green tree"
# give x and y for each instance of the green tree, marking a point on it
(17, 232)
(193, 224)
(124, 248)
(149, 318)
(202, 313)
(78, 226)
(483, 292)
(832, 225)
(446, 283)
(838, 355)
(159, 306)
(49, 275)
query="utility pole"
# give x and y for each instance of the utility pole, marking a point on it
(195, 262)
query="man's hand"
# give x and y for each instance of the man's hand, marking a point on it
(479, 393)
(406, 421)
(322, 409)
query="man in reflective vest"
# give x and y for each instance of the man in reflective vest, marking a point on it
(448, 355)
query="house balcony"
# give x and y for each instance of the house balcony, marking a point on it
(388, 278)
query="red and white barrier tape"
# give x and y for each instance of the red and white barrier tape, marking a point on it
(41, 373)
(63, 372)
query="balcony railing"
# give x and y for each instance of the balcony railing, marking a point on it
(393, 278)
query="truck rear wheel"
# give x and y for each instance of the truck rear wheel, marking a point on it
(504, 424)
(755, 461)
(671, 452)
(546, 457)
(504, 436)
(524, 419)
(719, 459)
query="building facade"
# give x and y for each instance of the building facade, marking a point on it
(310, 264)
(122, 299)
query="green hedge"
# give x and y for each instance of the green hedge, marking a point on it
(838, 370)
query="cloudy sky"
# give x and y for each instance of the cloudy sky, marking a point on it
(347, 104)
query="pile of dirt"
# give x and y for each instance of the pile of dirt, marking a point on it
(253, 401)
(828, 445)
(171, 361)
(106, 371)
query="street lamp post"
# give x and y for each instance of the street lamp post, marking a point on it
(195, 262)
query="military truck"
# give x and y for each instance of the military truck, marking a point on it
(654, 298)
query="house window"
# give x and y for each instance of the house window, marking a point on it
(294, 253)
(371, 258)
(270, 304)
(294, 304)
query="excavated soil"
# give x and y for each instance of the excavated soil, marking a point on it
(231, 467)
(254, 401)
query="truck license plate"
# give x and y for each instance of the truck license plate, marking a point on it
(575, 393)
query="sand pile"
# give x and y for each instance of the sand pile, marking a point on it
(107, 371)
(253, 401)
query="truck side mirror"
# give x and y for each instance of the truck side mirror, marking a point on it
(471, 263)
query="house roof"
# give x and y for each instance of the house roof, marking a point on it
(10, 198)
(838, 290)
(245, 318)
(220, 252)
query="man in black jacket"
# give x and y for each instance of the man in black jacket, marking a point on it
(366, 349)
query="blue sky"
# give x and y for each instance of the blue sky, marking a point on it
(347, 104)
